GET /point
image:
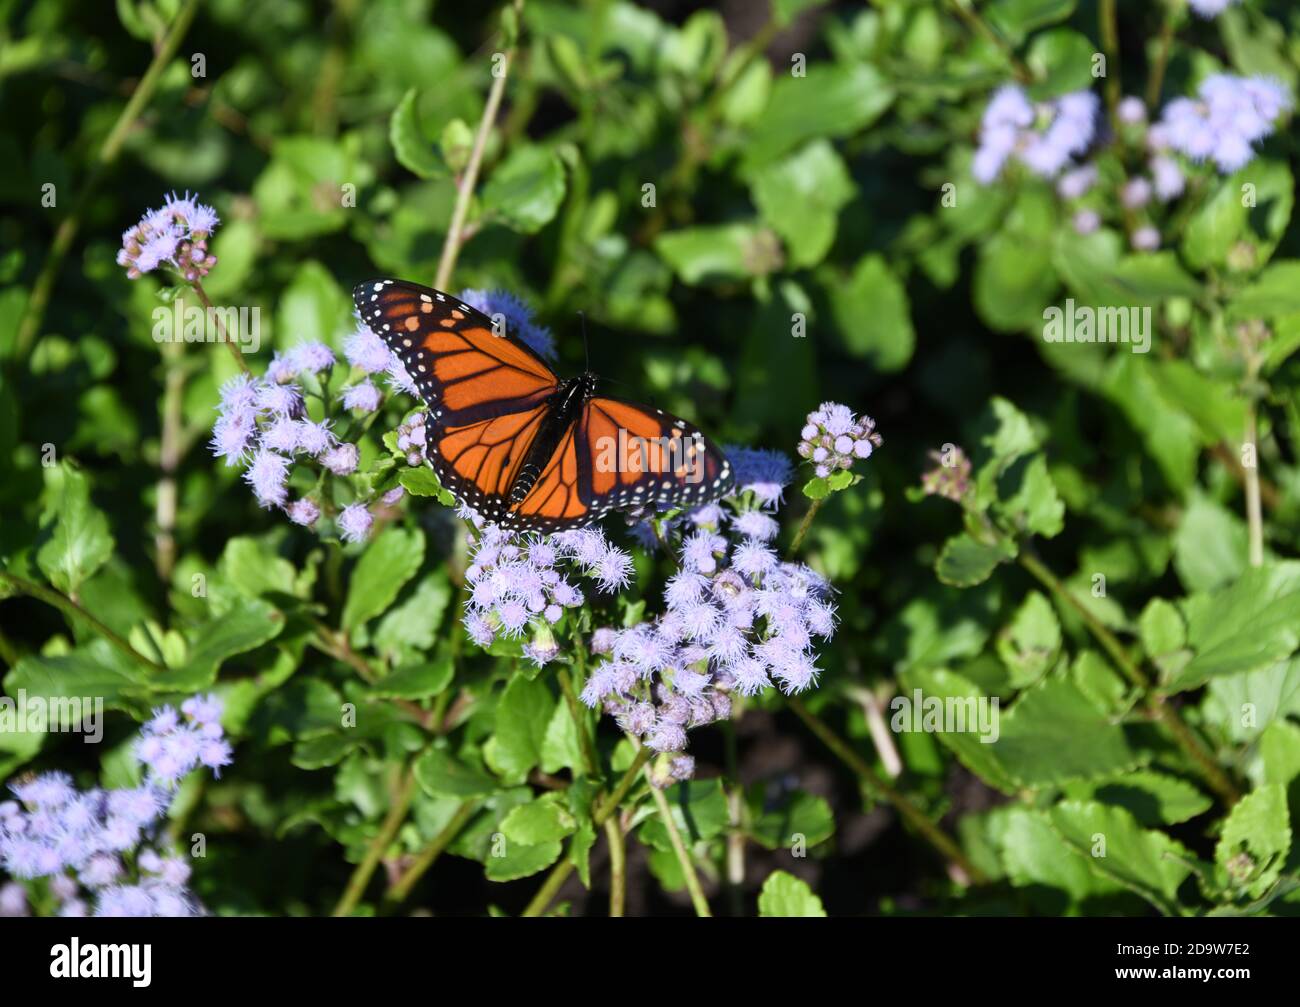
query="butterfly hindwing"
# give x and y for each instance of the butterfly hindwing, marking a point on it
(638, 456)
(463, 369)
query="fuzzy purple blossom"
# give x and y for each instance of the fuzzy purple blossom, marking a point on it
(175, 235)
(1044, 137)
(354, 522)
(833, 438)
(518, 318)
(1229, 115)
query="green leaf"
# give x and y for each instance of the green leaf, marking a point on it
(964, 562)
(1028, 497)
(1017, 18)
(412, 625)
(874, 316)
(1224, 220)
(801, 818)
(1116, 847)
(253, 570)
(413, 149)
(1247, 627)
(422, 481)
(1276, 292)
(80, 541)
(390, 560)
(1030, 644)
(832, 100)
(521, 860)
(699, 808)
(785, 895)
(248, 624)
(1033, 853)
(442, 776)
(953, 691)
(544, 820)
(725, 252)
(1209, 545)
(1151, 798)
(526, 190)
(522, 718)
(88, 673)
(415, 681)
(1256, 838)
(1054, 733)
(800, 198)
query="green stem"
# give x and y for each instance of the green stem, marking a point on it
(882, 790)
(1254, 509)
(604, 809)
(401, 888)
(375, 851)
(1160, 710)
(215, 315)
(1157, 78)
(617, 866)
(465, 193)
(585, 740)
(679, 848)
(802, 531)
(34, 312)
(1110, 45)
(73, 610)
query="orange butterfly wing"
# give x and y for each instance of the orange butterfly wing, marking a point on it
(464, 371)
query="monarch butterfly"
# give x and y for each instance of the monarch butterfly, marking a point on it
(523, 448)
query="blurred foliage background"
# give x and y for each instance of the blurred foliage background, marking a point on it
(747, 201)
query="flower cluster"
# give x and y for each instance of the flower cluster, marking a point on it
(1043, 137)
(833, 438)
(518, 586)
(96, 846)
(177, 235)
(1229, 115)
(951, 476)
(737, 620)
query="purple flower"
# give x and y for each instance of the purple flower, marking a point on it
(1229, 115)
(834, 438)
(1132, 110)
(366, 350)
(1209, 8)
(365, 397)
(354, 522)
(311, 357)
(342, 459)
(267, 475)
(1145, 239)
(1086, 221)
(518, 318)
(1043, 138)
(176, 235)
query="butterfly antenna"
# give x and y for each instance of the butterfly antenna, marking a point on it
(586, 350)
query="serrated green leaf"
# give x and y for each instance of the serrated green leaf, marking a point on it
(784, 895)
(80, 541)
(390, 560)
(414, 150)
(526, 190)
(1255, 841)
(964, 562)
(443, 776)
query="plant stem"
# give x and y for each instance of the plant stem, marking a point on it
(585, 741)
(1160, 710)
(401, 888)
(882, 790)
(1157, 78)
(683, 856)
(1254, 509)
(1110, 44)
(604, 809)
(375, 851)
(802, 531)
(985, 30)
(34, 312)
(169, 459)
(465, 193)
(617, 866)
(221, 326)
(71, 609)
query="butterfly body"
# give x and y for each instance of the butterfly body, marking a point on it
(521, 446)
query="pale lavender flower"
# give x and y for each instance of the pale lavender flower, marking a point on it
(365, 397)
(311, 357)
(341, 459)
(1086, 221)
(1132, 110)
(1209, 8)
(268, 475)
(1145, 239)
(354, 522)
(367, 351)
(1167, 178)
(1043, 138)
(303, 512)
(834, 438)
(1075, 184)
(1229, 115)
(1135, 193)
(176, 235)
